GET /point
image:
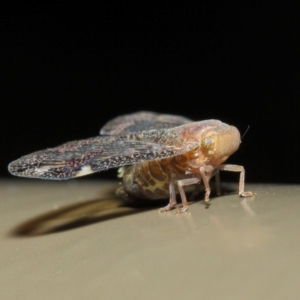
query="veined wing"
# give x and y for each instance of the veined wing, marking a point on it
(140, 121)
(79, 158)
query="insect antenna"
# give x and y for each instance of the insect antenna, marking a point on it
(245, 132)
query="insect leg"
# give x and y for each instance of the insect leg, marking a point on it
(206, 177)
(218, 183)
(172, 199)
(180, 184)
(236, 168)
(196, 191)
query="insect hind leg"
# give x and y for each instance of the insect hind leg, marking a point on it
(172, 200)
(180, 184)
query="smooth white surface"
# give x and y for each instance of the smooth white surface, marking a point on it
(74, 240)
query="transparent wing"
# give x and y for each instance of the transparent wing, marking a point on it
(83, 157)
(141, 121)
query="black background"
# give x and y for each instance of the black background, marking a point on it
(67, 68)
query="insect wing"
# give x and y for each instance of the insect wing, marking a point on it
(79, 158)
(141, 121)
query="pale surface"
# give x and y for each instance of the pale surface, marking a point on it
(73, 240)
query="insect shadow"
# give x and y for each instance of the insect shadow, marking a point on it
(81, 214)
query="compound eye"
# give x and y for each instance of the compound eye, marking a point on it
(207, 142)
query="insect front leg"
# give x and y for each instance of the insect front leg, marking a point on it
(206, 173)
(237, 168)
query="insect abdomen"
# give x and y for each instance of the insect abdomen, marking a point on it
(147, 180)
(150, 180)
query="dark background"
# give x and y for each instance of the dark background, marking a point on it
(66, 69)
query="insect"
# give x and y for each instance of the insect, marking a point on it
(157, 154)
